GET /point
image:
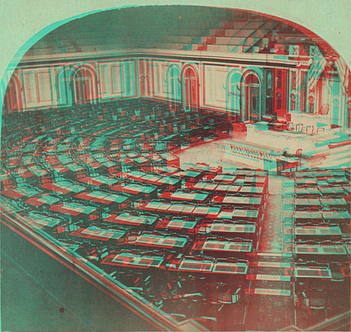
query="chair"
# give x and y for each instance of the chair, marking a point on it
(324, 109)
(298, 155)
(313, 301)
(298, 127)
(320, 129)
(285, 152)
(309, 129)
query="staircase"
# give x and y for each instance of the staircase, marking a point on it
(332, 151)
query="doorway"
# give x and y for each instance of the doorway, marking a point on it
(190, 89)
(251, 97)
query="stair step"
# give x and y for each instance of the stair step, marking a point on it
(336, 145)
(333, 161)
(322, 150)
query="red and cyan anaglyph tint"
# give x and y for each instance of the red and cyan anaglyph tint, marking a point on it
(192, 163)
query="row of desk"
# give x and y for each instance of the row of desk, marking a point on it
(321, 181)
(75, 211)
(150, 179)
(200, 197)
(204, 211)
(327, 191)
(186, 264)
(340, 216)
(320, 227)
(319, 203)
(322, 252)
(315, 232)
(172, 224)
(204, 266)
(316, 205)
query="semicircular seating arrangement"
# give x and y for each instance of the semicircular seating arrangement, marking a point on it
(105, 184)
(102, 186)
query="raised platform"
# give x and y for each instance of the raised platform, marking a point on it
(261, 148)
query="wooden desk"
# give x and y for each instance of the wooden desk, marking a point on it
(19, 193)
(304, 182)
(317, 232)
(105, 199)
(73, 211)
(24, 173)
(134, 260)
(64, 188)
(224, 178)
(75, 168)
(43, 200)
(307, 203)
(284, 163)
(99, 181)
(321, 252)
(38, 221)
(200, 265)
(177, 225)
(207, 211)
(157, 240)
(222, 246)
(187, 174)
(216, 187)
(333, 202)
(312, 272)
(301, 191)
(228, 229)
(245, 214)
(332, 191)
(237, 200)
(96, 233)
(308, 215)
(136, 190)
(251, 190)
(185, 196)
(336, 215)
(128, 219)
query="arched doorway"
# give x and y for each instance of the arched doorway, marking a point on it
(76, 86)
(322, 95)
(14, 95)
(251, 98)
(190, 89)
(174, 87)
(83, 87)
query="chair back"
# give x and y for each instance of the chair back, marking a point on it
(298, 154)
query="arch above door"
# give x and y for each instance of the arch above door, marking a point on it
(76, 85)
